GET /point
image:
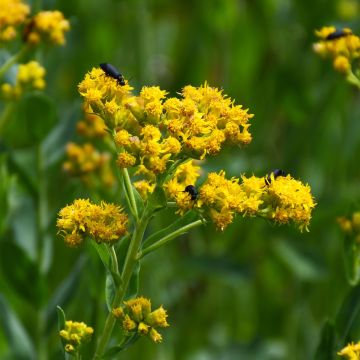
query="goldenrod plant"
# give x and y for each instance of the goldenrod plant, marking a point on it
(158, 145)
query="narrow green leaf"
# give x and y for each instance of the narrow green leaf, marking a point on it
(64, 292)
(325, 349)
(110, 353)
(110, 290)
(182, 221)
(103, 253)
(139, 201)
(302, 265)
(157, 200)
(19, 341)
(352, 260)
(61, 318)
(348, 312)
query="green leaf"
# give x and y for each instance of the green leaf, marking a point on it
(110, 353)
(64, 292)
(189, 217)
(352, 260)
(157, 200)
(18, 276)
(35, 115)
(139, 201)
(325, 349)
(110, 290)
(302, 265)
(61, 318)
(347, 314)
(133, 288)
(103, 253)
(19, 341)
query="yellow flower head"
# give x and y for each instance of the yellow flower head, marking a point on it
(30, 76)
(48, 26)
(90, 165)
(12, 14)
(75, 334)
(351, 351)
(92, 126)
(136, 316)
(104, 223)
(339, 44)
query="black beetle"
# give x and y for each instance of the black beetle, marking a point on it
(276, 173)
(113, 72)
(338, 34)
(191, 189)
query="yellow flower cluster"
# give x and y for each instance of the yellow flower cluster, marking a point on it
(89, 164)
(340, 45)
(12, 13)
(282, 200)
(351, 226)
(30, 76)
(75, 334)
(104, 223)
(152, 131)
(351, 351)
(48, 26)
(136, 317)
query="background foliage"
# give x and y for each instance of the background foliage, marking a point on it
(254, 291)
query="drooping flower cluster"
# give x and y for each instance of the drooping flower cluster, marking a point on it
(74, 335)
(351, 351)
(104, 223)
(351, 225)
(12, 14)
(87, 163)
(342, 46)
(152, 131)
(47, 26)
(30, 76)
(137, 318)
(282, 200)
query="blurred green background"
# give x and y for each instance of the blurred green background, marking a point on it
(254, 291)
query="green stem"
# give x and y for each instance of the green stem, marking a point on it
(130, 262)
(114, 262)
(171, 204)
(13, 60)
(130, 192)
(168, 238)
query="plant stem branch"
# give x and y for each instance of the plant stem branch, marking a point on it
(130, 262)
(130, 193)
(168, 238)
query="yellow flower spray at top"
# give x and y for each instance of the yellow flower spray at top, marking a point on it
(12, 14)
(74, 335)
(30, 76)
(343, 47)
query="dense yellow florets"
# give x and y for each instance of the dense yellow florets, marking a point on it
(351, 351)
(341, 49)
(282, 200)
(30, 76)
(48, 26)
(74, 335)
(104, 223)
(12, 14)
(136, 316)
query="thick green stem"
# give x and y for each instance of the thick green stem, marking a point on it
(12, 60)
(168, 238)
(130, 262)
(130, 192)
